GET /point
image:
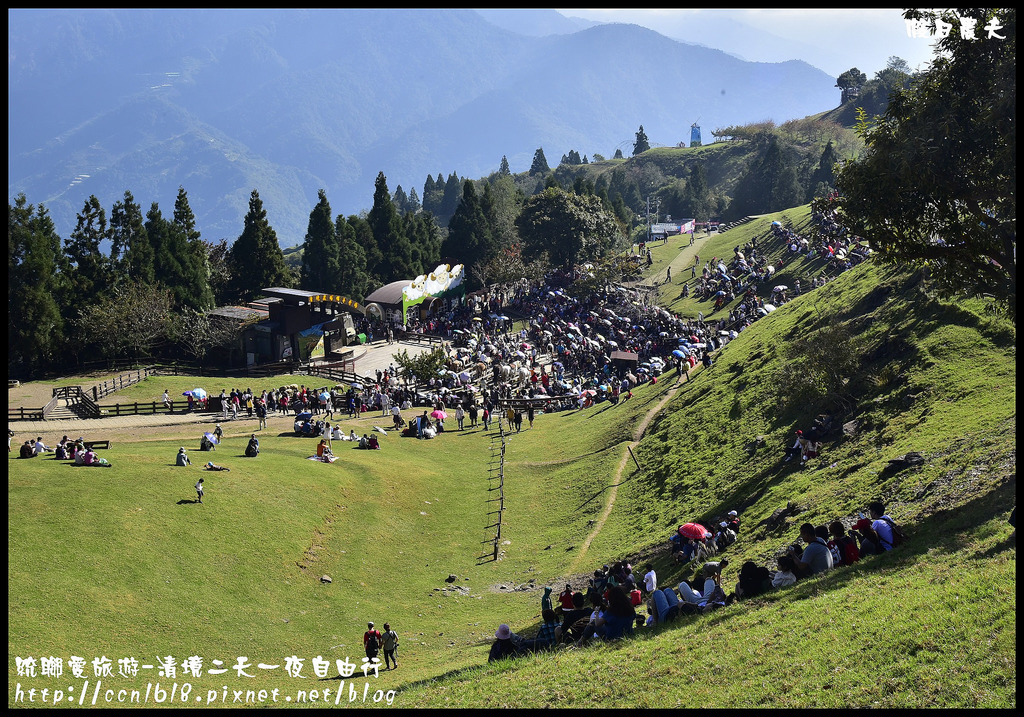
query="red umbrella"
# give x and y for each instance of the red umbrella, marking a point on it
(694, 531)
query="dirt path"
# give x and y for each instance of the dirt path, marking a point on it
(638, 433)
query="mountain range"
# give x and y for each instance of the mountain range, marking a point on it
(291, 101)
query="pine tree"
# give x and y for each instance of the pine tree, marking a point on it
(35, 326)
(401, 200)
(255, 259)
(352, 275)
(372, 252)
(504, 170)
(469, 239)
(540, 163)
(130, 248)
(89, 276)
(195, 291)
(321, 253)
(641, 144)
(825, 172)
(414, 201)
(451, 199)
(386, 226)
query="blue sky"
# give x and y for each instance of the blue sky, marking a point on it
(831, 40)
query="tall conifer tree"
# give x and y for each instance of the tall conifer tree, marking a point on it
(321, 253)
(255, 259)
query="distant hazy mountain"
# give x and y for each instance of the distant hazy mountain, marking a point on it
(287, 102)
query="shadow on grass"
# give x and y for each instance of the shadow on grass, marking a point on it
(186, 501)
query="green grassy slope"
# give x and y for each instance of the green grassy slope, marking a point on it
(930, 625)
(113, 562)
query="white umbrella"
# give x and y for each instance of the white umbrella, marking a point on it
(378, 428)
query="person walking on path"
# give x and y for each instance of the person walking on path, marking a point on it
(199, 489)
(371, 641)
(389, 642)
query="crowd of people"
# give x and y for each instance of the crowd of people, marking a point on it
(616, 596)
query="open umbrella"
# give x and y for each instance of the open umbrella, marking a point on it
(198, 393)
(211, 438)
(477, 318)
(439, 414)
(325, 396)
(378, 428)
(464, 377)
(357, 385)
(694, 531)
(678, 354)
(186, 393)
(780, 287)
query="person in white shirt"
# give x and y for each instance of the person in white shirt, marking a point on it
(650, 579)
(40, 447)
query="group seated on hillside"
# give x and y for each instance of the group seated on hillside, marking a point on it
(369, 443)
(614, 593)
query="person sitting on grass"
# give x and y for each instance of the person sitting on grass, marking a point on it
(550, 632)
(869, 542)
(182, 458)
(574, 621)
(26, 450)
(41, 447)
(205, 444)
(786, 574)
(373, 444)
(754, 580)
(91, 459)
(211, 466)
(323, 451)
(504, 645)
(816, 558)
(253, 448)
(845, 544)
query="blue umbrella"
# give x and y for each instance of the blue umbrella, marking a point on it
(678, 354)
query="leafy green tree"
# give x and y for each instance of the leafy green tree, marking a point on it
(386, 225)
(698, 195)
(936, 186)
(770, 182)
(35, 326)
(641, 144)
(321, 253)
(570, 228)
(540, 163)
(90, 275)
(220, 272)
(133, 319)
(130, 249)
(255, 259)
(424, 367)
(850, 83)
